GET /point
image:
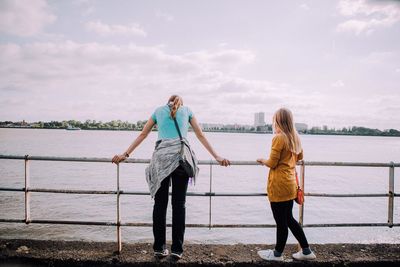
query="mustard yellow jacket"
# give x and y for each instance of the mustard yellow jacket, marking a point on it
(281, 178)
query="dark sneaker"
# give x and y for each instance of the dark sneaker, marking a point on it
(161, 253)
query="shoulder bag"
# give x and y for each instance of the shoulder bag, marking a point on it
(183, 160)
(300, 194)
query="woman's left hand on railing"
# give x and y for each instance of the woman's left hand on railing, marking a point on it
(223, 161)
(118, 158)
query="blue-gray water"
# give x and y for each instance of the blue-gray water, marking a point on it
(102, 176)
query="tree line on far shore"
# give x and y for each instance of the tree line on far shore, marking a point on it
(138, 126)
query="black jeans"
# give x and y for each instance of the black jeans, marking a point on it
(283, 216)
(179, 187)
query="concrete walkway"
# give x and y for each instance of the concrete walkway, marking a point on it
(76, 253)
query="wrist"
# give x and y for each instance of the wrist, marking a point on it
(126, 154)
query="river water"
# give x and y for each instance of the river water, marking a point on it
(225, 210)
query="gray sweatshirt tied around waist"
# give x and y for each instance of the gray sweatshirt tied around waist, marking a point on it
(165, 160)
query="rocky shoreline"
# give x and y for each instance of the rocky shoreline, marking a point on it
(17, 252)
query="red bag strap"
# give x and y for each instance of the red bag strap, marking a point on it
(295, 170)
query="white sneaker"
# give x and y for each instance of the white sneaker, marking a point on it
(268, 255)
(161, 254)
(302, 257)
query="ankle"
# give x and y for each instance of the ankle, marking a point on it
(277, 253)
(307, 251)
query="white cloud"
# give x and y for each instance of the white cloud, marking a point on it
(356, 26)
(87, 7)
(123, 79)
(222, 59)
(366, 16)
(104, 82)
(24, 18)
(88, 10)
(164, 16)
(305, 7)
(338, 83)
(381, 57)
(71, 80)
(104, 29)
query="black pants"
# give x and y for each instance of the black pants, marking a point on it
(179, 187)
(283, 216)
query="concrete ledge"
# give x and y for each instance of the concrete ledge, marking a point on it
(76, 253)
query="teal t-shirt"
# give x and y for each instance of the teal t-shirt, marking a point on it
(166, 125)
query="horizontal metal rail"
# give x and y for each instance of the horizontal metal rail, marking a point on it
(199, 194)
(201, 162)
(28, 190)
(192, 225)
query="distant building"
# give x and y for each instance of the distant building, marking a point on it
(259, 119)
(211, 126)
(301, 127)
(225, 127)
(263, 129)
(231, 126)
(248, 127)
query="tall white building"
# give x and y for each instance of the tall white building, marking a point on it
(259, 119)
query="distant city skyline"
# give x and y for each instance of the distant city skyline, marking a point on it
(119, 125)
(334, 63)
(301, 127)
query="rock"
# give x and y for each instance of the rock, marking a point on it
(22, 249)
(144, 252)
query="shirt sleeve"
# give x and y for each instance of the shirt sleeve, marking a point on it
(275, 154)
(190, 114)
(154, 117)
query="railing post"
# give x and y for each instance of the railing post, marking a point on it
(391, 195)
(301, 208)
(210, 199)
(118, 214)
(27, 193)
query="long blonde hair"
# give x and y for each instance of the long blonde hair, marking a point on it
(175, 101)
(283, 119)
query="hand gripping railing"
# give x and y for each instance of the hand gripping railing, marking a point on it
(391, 194)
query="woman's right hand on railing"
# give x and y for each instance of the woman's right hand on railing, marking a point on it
(223, 161)
(118, 158)
(261, 161)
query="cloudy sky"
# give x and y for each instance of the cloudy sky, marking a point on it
(334, 63)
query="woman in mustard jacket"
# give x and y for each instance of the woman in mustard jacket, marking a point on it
(286, 150)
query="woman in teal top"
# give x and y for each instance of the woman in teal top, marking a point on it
(167, 134)
(166, 125)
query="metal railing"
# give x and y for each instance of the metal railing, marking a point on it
(27, 190)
